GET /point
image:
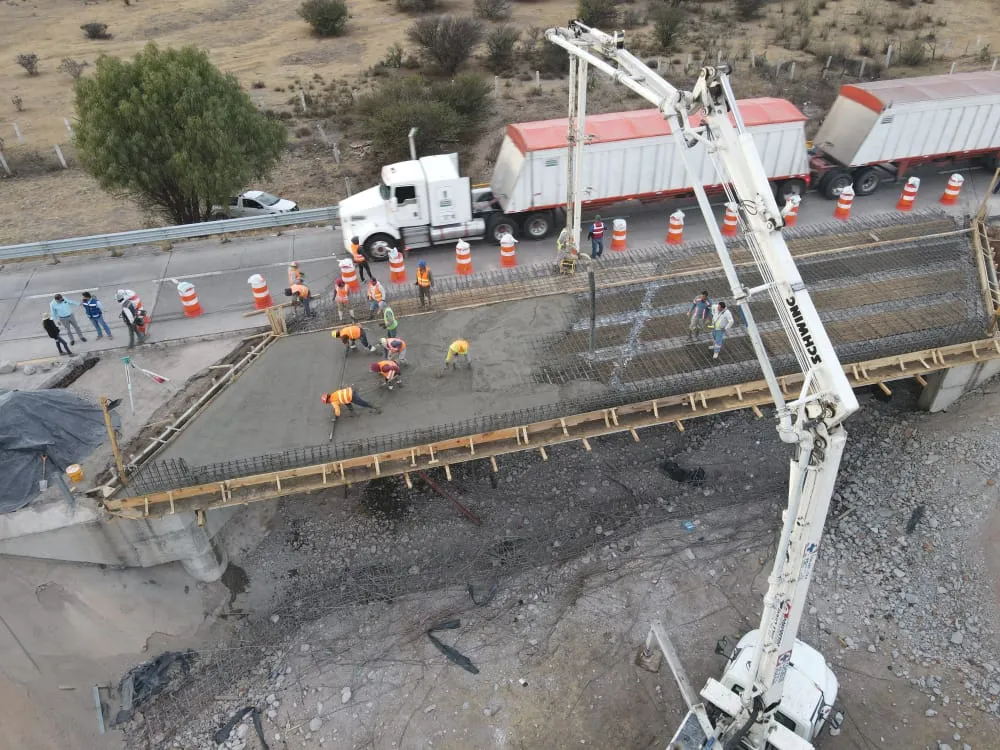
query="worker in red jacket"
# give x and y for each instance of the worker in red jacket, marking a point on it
(387, 370)
(596, 237)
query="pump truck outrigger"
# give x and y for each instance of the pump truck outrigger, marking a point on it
(749, 707)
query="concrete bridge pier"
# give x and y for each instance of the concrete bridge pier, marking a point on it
(944, 388)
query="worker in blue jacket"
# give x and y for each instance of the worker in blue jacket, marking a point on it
(95, 314)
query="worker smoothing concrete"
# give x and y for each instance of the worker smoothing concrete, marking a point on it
(394, 349)
(301, 293)
(350, 335)
(458, 348)
(344, 397)
(388, 371)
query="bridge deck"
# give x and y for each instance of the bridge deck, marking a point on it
(908, 285)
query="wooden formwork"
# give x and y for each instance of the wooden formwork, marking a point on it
(578, 428)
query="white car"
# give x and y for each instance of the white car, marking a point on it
(254, 203)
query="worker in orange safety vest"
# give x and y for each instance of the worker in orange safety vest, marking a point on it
(343, 299)
(424, 282)
(394, 348)
(344, 397)
(376, 293)
(359, 259)
(350, 335)
(458, 348)
(301, 293)
(295, 276)
(389, 372)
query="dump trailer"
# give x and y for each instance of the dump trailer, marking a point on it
(628, 156)
(878, 131)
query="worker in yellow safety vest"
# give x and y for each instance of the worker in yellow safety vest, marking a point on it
(344, 397)
(359, 259)
(424, 282)
(458, 348)
(343, 299)
(350, 335)
(376, 293)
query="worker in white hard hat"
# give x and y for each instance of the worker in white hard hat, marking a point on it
(295, 276)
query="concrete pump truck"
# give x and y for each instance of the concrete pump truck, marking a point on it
(775, 692)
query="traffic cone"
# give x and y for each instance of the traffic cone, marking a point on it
(909, 194)
(731, 221)
(951, 190)
(618, 236)
(397, 268)
(844, 201)
(463, 258)
(675, 231)
(261, 296)
(508, 255)
(189, 299)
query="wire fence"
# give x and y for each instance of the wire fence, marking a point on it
(882, 301)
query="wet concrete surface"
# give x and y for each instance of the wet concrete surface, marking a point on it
(276, 406)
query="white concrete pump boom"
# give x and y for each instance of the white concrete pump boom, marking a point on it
(750, 717)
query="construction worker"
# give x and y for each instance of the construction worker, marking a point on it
(344, 397)
(389, 321)
(359, 259)
(387, 370)
(133, 317)
(459, 347)
(343, 299)
(394, 348)
(376, 293)
(424, 282)
(722, 321)
(295, 276)
(301, 293)
(350, 335)
(596, 237)
(700, 314)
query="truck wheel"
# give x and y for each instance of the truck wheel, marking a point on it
(833, 184)
(788, 188)
(866, 181)
(501, 225)
(377, 247)
(537, 226)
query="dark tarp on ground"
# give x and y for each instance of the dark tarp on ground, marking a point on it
(55, 423)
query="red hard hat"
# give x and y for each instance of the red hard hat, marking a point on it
(325, 398)
(373, 367)
(340, 282)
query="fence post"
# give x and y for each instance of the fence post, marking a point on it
(791, 72)
(888, 56)
(953, 67)
(3, 163)
(496, 86)
(994, 66)
(538, 80)
(69, 127)
(753, 61)
(62, 159)
(861, 72)
(17, 132)
(302, 101)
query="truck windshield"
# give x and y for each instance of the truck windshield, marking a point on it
(384, 190)
(267, 199)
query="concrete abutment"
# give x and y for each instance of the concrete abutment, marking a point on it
(944, 388)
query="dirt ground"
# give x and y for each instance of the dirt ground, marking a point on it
(270, 50)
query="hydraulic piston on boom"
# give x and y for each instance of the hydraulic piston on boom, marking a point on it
(748, 707)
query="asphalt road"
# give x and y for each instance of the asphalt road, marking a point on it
(220, 271)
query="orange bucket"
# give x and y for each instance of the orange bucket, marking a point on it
(75, 473)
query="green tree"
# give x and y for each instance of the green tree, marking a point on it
(170, 131)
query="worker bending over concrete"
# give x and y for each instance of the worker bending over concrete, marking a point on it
(301, 293)
(394, 349)
(344, 397)
(458, 348)
(388, 371)
(351, 335)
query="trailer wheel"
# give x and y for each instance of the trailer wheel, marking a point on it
(377, 247)
(501, 225)
(788, 188)
(537, 226)
(866, 181)
(833, 184)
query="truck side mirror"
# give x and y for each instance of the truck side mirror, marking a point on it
(721, 646)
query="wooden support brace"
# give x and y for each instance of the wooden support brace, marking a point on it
(680, 425)
(635, 435)
(902, 365)
(324, 473)
(432, 459)
(586, 444)
(409, 482)
(200, 514)
(277, 481)
(975, 354)
(146, 511)
(563, 423)
(378, 469)
(921, 380)
(656, 410)
(413, 457)
(739, 393)
(472, 447)
(854, 369)
(704, 402)
(447, 472)
(614, 417)
(493, 465)
(694, 406)
(545, 456)
(170, 495)
(526, 441)
(923, 361)
(996, 342)
(884, 388)
(607, 422)
(784, 384)
(756, 412)
(343, 478)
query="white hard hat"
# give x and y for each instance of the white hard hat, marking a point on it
(120, 295)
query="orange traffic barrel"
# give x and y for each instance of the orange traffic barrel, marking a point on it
(463, 258)
(951, 190)
(844, 201)
(675, 231)
(508, 256)
(618, 228)
(397, 268)
(349, 273)
(189, 299)
(731, 221)
(261, 296)
(909, 194)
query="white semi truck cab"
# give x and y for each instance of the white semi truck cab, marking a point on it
(417, 203)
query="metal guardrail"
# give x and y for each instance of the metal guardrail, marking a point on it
(166, 234)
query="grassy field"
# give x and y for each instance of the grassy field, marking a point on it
(273, 53)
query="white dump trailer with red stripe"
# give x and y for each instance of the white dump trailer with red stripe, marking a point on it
(628, 156)
(880, 130)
